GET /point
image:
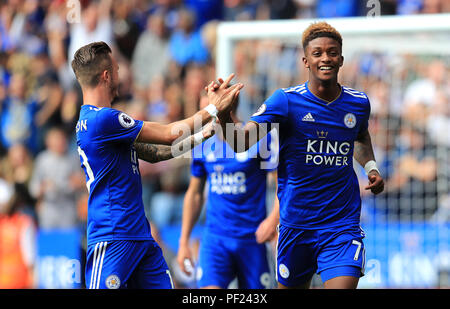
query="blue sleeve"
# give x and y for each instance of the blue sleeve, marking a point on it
(365, 123)
(116, 126)
(273, 110)
(198, 168)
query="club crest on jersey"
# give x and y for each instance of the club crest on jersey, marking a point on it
(350, 120)
(260, 110)
(112, 282)
(283, 270)
(322, 134)
(125, 120)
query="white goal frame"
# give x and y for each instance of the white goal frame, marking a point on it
(363, 27)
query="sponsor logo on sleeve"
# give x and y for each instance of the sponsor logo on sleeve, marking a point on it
(260, 110)
(125, 120)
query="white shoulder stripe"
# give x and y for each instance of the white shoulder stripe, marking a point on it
(95, 108)
(357, 95)
(295, 89)
(351, 89)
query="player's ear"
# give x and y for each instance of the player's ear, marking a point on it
(341, 62)
(105, 76)
(305, 62)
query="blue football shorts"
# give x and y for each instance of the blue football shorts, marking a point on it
(126, 264)
(222, 259)
(332, 252)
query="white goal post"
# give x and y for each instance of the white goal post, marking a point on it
(365, 29)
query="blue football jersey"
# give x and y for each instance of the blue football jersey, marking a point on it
(236, 202)
(317, 186)
(105, 139)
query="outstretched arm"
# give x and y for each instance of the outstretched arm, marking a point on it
(155, 153)
(167, 134)
(192, 206)
(239, 138)
(363, 153)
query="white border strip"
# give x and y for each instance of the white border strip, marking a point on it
(227, 32)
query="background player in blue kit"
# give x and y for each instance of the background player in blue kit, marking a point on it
(233, 242)
(322, 127)
(121, 251)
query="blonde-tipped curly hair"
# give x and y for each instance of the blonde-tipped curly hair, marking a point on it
(320, 29)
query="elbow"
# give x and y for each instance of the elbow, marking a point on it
(155, 133)
(168, 138)
(172, 135)
(239, 145)
(172, 139)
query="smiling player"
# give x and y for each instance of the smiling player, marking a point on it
(322, 126)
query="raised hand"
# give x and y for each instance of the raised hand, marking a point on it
(223, 96)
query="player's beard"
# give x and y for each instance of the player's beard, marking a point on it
(114, 90)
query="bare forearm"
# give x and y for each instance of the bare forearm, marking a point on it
(191, 124)
(241, 138)
(192, 207)
(167, 134)
(153, 153)
(363, 151)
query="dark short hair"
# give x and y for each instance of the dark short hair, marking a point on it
(90, 61)
(320, 29)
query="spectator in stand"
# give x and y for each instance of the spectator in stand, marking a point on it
(126, 27)
(57, 32)
(96, 25)
(17, 166)
(18, 114)
(186, 44)
(239, 10)
(426, 106)
(337, 8)
(284, 9)
(151, 55)
(157, 107)
(194, 82)
(169, 9)
(17, 238)
(205, 11)
(209, 37)
(421, 94)
(56, 182)
(412, 188)
(48, 93)
(406, 7)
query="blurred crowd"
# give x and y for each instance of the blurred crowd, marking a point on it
(166, 54)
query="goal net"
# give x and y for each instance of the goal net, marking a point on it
(403, 64)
